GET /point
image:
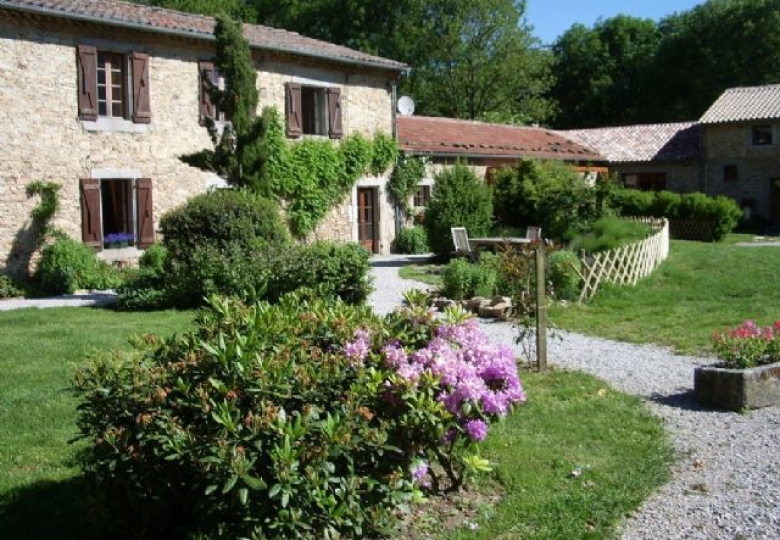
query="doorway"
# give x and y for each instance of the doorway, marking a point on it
(774, 201)
(368, 214)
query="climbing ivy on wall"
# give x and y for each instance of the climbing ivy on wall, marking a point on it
(314, 175)
(403, 182)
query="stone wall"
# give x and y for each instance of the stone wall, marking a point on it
(757, 166)
(44, 139)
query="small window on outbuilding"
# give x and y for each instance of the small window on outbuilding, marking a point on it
(730, 173)
(762, 135)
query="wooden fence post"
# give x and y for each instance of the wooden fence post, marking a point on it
(541, 311)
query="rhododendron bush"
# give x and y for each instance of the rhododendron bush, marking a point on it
(309, 418)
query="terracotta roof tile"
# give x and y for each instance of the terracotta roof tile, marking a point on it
(125, 14)
(652, 142)
(744, 104)
(428, 135)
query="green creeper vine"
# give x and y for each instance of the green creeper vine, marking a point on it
(44, 212)
(403, 182)
(314, 175)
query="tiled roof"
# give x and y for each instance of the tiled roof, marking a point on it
(744, 104)
(653, 142)
(446, 136)
(128, 15)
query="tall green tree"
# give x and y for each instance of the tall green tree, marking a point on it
(717, 45)
(469, 58)
(473, 59)
(240, 154)
(602, 74)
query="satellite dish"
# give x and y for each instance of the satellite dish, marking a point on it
(406, 106)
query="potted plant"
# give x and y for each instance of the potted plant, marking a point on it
(748, 376)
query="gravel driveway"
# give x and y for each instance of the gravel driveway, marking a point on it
(726, 479)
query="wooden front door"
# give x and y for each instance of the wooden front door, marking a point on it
(367, 219)
(774, 201)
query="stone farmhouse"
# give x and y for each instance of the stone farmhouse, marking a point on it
(102, 97)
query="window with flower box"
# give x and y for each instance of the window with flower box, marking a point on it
(117, 212)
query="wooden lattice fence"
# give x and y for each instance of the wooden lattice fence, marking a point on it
(627, 264)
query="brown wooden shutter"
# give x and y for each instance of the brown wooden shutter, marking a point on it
(142, 107)
(335, 129)
(87, 81)
(294, 110)
(206, 80)
(145, 208)
(91, 230)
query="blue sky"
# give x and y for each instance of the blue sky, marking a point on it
(551, 18)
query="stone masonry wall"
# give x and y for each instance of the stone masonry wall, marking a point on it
(43, 139)
(756, 166)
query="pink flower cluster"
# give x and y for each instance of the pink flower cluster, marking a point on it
(470, 369)
(748, 344)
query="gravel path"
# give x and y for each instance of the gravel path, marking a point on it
(726, 480)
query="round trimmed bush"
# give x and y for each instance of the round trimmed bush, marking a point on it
(67, 265)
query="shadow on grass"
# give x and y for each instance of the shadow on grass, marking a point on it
(47, 510)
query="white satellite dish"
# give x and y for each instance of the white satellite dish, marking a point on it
(406, 106)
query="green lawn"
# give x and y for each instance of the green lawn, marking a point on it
(570, 421)
(39, 488)
(700, 288)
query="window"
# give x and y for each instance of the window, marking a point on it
(651, 181)
(113, 85)
(210, 78)
(730, 173)
(313, 110)
(117, 212)
(422, 196)
(762, 135)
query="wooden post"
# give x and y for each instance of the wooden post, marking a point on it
(541, 311)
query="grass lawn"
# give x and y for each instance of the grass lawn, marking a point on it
(700, 288)
(39, 488)
(571, 421)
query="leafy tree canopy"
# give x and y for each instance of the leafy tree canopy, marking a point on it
(600, 72)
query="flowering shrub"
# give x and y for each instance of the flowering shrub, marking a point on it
(447, 382)
(748, 345)
(309, 418)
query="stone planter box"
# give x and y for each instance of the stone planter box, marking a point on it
(738, 389)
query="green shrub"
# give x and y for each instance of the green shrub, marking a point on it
(723, 212)
(154, 259)
(341, 270)
(293, 420)
(462, 279)
(67, 265)
(563, 267)
(412, 240)
(548, 194)
(459, 199)
(9, 288)
(220, 218)
(609, 233)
